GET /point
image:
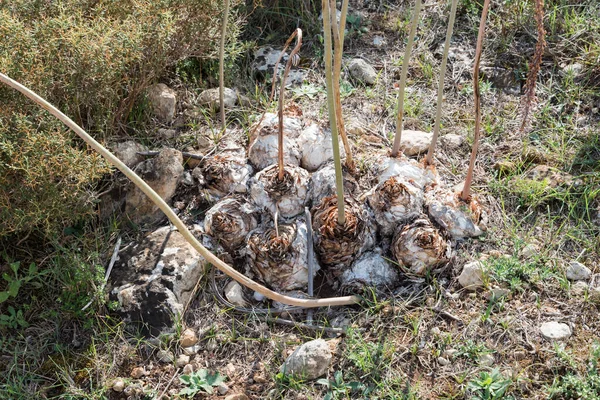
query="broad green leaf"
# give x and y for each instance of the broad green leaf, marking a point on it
(188, 392)
(185, 379)
(15, 267)
(207, 388)
(33, 269)
(215, 379)
(3, 296)
(13, 288)
(7, 277)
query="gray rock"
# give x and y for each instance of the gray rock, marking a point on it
(486, 360)
(555, 330)
(163, 174)
(309, 361)
(166, 134)
(222, 389)
(210, 98)
(454, 215)
(530, 250)
(182, 360)
(192, 350)
(576, 271)
(263, 150)
(127, 152)
(118, 385)
(163, 101)
(579, 288)
(574, 69)
(415, 142)
(152, 280)
(362, 71)
(452, 141)
(378, 41)
(443, 361)
(264, 64)
(235, 294)
(471, 277)
(165, 356)
(370, 269)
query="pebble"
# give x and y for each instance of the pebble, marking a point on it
(576, 271)
(529, 250)
(188, 338)
(443, 361)
(138, 372)
(471, 277)
(579, 287)
(188, 369)
(450, 353)
(222, 389)
(486, 360)
(118, 385)
(192, 350)
(235, 294)
(165, 356)
(230, 370)
(555, 330)
(452, 141)
(436, 331)
(309, 361)
(182, 360)
(362, 71)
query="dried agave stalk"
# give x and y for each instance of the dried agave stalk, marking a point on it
(292, 59)
(440, 94)
(419, 246)
(339, 245)
(229, 222)
(222, 62)
(466, 192)
(339, 180)
(280, 258)
(395, 201)
(409, 44)
(535, 63)
(338, 40)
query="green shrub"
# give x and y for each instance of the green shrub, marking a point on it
(91, 59)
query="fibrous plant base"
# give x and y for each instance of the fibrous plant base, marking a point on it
(419, 246)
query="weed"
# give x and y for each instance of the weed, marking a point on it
(338, 389)
(489, 386)
(573, 385)
(201, 381)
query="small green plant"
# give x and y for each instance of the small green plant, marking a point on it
(489, 386)
(338, 389)
(16, 281)
(13, 319)
(200, 381)
(574, 385)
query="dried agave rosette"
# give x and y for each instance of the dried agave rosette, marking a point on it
(407, 170)
(227, 173)
(229, 222)
(419, 246)
(458, 218)
(288, 197)
(280, 260)
(339, 245)
(393, 202)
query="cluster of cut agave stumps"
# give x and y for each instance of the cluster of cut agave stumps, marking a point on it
(404, 222)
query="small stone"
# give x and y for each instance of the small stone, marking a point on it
(450, 353)
(574, 69)
(576, 271)
(188, 338)
(415, 142)
(504, 167)
(259, 378)
(230, 370)
(579, 288)
(128, 152)
(486, 360)
(452, 141)
(362, 71)
(163, 101)
(166, 134)
(309, 361)
(118, 385)
(530, 250)
(222, 389)
(138, 372)
(555, 330)
(258, 296)
(182, 360)
(471, 277)
(188, 369)
(210, 98)
(165, 356)
(378, 41)
(237, 396)
(235, 294)
(436, 331)
(497, 293)
(443, 361)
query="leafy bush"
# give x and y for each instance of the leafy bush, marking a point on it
(92, 59)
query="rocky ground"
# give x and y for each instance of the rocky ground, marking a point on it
(510, 313)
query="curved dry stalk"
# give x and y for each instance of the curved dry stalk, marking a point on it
(409, 44)
(164, 207)
(535, 63)
(339, 179)
(291, 60)
(338, 41)
(440, 96)
(222, 62)
(466, 192)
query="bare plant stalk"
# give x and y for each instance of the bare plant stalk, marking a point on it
(338, 41)
(409, 44)
(222, 62)
(440, 95)
(298, 34)
(536, 62)
(466, 192)
(164, 207)
(339, 179)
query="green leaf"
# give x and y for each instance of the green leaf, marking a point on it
(15, 267)
(33, 269)
(13, 288)
(215, 379)
(323, 381)
(188, 392)
(7, 277)
(207, 388)
(3, 296)
(185, 379)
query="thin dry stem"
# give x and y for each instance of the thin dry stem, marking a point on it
(440, 95)
(409, 44)
(222, 62)
(466, 192)
(298, 34)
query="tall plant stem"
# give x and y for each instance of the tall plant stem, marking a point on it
(298, 34)
(339, 179)
(222, 62)
(338, 41)
(166, 209)
(466, 192)
(440, 95)
(405, 62)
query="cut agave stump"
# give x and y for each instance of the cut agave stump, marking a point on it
(458, 218)
(419, 246)
(229, 222)
(288, 196)
(227, 172)
(280, 261)
(395, 201)
(339, 245)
